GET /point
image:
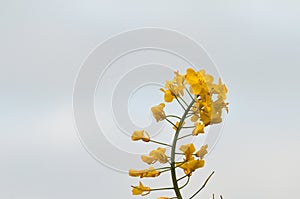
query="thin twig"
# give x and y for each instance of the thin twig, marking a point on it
(160, 143)
(187, 182)
(180, 103)
(188, 127)
(174, 116)
(183, 101)
(185, 136)
(167, 188)
(189, 93)
(206, 181)
(182, 177)
(171, 123)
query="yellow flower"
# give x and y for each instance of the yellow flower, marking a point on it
(160, 155)
(191, 76)
(148, 159)
(188, 150)
(205, 108)
(207, 78)
(151, 172)
(202, 151)
(198, 129)
(168, 95)
(136, 173)
(156, 155)
(191, 165)
(163, 198)
(212, 113)
(206, 112)
(177, 85)
(197, 83)
(205, 117)
(216, 118)
(140, 135)
(139, 190)
(219, 104)
(195, 118)
(220, 89)
(158, 112)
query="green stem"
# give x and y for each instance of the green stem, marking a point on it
(185, 183)
(203, 185)
(188, 127)
(185, 136)
(159, 189)
(160, 143)
(171, 123)
(183, 101)
(184, 154)
(173, 166)
(180, 103)
(182, 177)
(190, 114)
(174, 116)
(161, 168)
(189, 93)
(164, 171)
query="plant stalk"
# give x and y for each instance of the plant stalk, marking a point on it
(173, 165)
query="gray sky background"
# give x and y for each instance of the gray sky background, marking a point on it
(43, 43)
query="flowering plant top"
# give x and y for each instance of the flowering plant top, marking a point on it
(206, 105)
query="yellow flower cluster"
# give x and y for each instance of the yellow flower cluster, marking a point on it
(190, 164)
(156, 155)
(206, 110)
(175, 87)
(206, 107)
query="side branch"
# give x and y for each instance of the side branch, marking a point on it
(206, 181)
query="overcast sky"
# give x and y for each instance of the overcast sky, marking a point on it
(255, 45)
